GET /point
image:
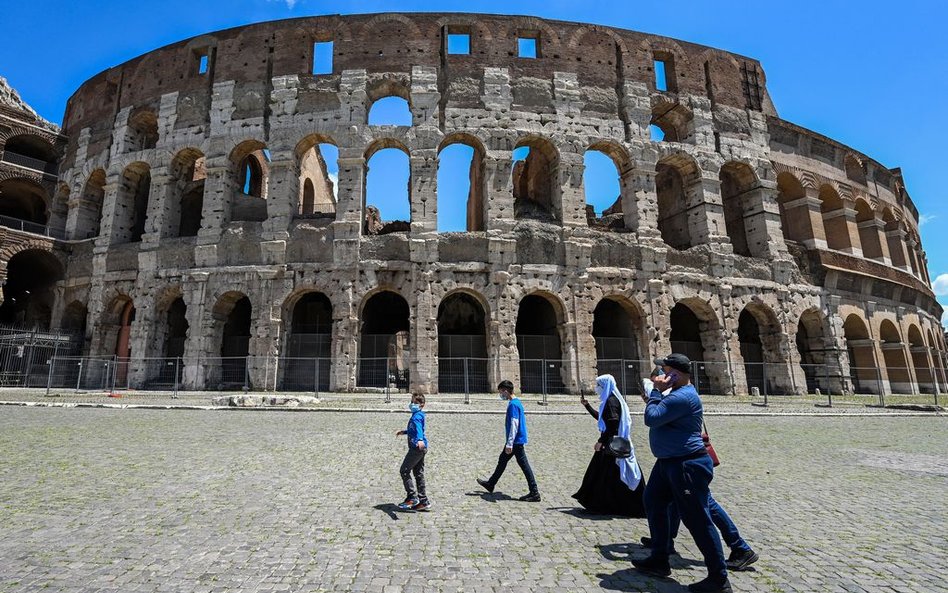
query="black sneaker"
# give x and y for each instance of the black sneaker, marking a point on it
(711, 586)
(741, 559)
(486, 485)
(647, 543)
(531, 497)
(654, 566)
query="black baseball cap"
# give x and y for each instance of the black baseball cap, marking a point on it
(679, 362)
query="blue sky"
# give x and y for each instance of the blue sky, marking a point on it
(869, 75)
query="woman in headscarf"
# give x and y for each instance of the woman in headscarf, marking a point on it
(611, 486)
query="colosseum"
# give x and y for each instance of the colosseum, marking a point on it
(207, 234)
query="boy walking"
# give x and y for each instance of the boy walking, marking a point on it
(414, 462)
(516, 427)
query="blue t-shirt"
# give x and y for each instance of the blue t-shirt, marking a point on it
(416, 430)
(515, 423)
(674, 422)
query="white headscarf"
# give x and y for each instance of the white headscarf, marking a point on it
(629, 471)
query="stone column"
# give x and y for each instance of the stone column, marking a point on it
(215, 212)
(282, 204)
(265, 331)
(498, 190)
(107, 229)
(195, 345)
(762, 222)
(347, 228)
(505, 358)
(706, 219)
(161, 206)
(423, 325)
(569, 186)
(805, 220)
(841, 224)
(640, 201)
(897, 249)
(423, 190)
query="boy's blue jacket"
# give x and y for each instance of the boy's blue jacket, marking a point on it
(416, 430)
(515, 423)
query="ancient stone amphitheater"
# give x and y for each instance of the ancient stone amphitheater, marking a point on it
(203, 230)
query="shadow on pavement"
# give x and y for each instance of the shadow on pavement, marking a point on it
(581, 513)
(491, 496)
(391, 510)
(631, 580)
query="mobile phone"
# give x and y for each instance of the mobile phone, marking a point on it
(673, 377)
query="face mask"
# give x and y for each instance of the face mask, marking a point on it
(414, 407)
(501, 396)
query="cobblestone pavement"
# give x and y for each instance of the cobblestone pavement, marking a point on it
(150, 500)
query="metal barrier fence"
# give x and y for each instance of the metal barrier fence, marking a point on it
(460, 375)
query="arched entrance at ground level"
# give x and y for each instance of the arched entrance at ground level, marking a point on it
(538, 343)
(171, 334)
(811, 346)
(28, 290)
(693, 336)
(617, 330)
(863, 372)
(921, 360)
(937, 360)
(123, 346)
(384, 344)
(307, 355)
(893, 352)
(233, 313)
(462, 345)
(760, 339)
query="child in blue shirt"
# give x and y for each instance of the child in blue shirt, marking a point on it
(414, 462)
(515, 424)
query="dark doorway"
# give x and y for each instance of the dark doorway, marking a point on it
(617, 344)
(752, 351)
(686, 339)
(462, 345)
(235, 344)
(538, 342)
(384, 346)
(308, 348)
(28, 292)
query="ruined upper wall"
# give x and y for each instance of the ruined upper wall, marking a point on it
(603, 58)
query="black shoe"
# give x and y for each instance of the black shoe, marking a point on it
(711, 586)
(654, 566)
(486, 485)
(647, 543)
(741, 559)
(532, 497)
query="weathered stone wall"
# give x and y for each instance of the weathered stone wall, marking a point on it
(590, 88)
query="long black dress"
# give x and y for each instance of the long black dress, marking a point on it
(603, 491)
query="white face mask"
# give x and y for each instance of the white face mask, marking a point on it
(414, 407)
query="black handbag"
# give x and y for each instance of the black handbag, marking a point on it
(619, 447)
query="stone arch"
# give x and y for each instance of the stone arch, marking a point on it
(618, 329)
(463, 342)
(921, 360)
(895, 238)
(861, 350)
(476, 205)
(611, 210)
(679, 192)
(28, 287)
(308, 327)
(696, 333)
(540, 332)
(249, 181)
(375, 187)
(131, 208)
(535, 178)
(740, 196)
(388, 102)
(855, 169)
(88, 216)
(317, 188)
(675, 121)
(812, 343)
(762, 345)
(869, 236)
(232, 321)
(893, 354)
(185, 194)
(835, 219)
(142, 130)
(24, 200)
(384, 339)
(795, 220)
(938, 358)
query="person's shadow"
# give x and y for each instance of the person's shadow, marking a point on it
(630, 579)
(581, 513)
(490, 496)
(391, 510)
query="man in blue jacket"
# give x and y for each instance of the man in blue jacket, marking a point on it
(414, 462)
(516, 431)
(682, 474)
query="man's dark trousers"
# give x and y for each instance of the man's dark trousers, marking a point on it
(686, 481)
(729, 533)
(414, 463)
(521, 455)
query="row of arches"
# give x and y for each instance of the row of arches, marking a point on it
(759, 355)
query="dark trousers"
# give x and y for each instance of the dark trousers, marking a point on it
(729, 533)
(521, 455)
(414, 464)
(684, 482)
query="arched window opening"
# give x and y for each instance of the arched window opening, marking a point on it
(538, 343)
(186, 194)
(794, 214)
(237, 313)
(752, 351)
(868, 231)
(834, 219)
(319, 180)
(674, 123)
(384, 351)
(89, 215)
(895, 239)
(142, 131)
(251, 175)
(28, 293)
(309, 344)
(617, 329)
(123, 345)
(737, 184)
(461, 205)
(862, 363)
(390, 111)
(893, 353)
(921, 361)
(462, 345)
(535, 181)
(811, 346)
(251, 172)
(128, 224)
(177, 329)
(31, 152)
(24, 200)
(388, 192)
(603, 190)
(676, 182)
